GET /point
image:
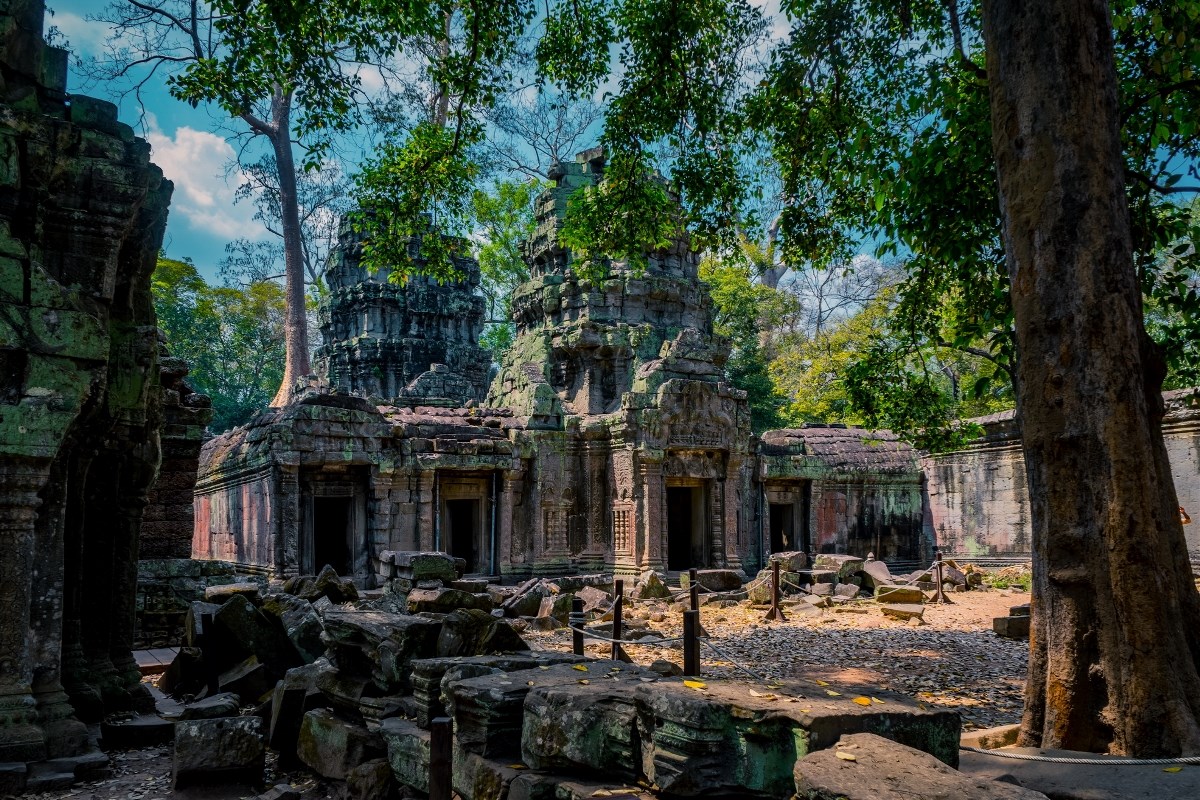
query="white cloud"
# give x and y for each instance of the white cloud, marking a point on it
(195, 161)
(85, 38)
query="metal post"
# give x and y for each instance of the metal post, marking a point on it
(441, 755)
(619, 585)
(776, 613)
(694, 589)
(691, 643)
(208, 654)
(576, 619)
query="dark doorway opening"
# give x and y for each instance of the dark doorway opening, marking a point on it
(782, 538)
(685, 527)
(331, 533)
(461, 527)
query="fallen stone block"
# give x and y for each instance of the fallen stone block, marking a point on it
(535, 786)
(899, 594)
(333, 746)
(422, 566)
(479, 778)
(407, 752)
(845, 566)
(556, 606)
(326, 583)
(864, 766)
(1019, 611)
(714, 580)
(250, 681)
(904, 611)
(186, 674)
(650, 586)
(593, 599)
(846, 590)
(822, 589)
(371, 780)
(280, 791)
(791, 560)
(218, 750)
(241, 630)
(443, 601)
(876, 573)
(191, 623)
(472, 632)
(471, 585)
(1011, 627)
(219, 594)
(226, 704)
(379, 645)
(992, 738)
(143, 730)
(489, 711)
(299, 622)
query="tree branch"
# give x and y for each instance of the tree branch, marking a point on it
(956, 29)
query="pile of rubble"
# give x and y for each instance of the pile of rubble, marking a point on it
(349, 684)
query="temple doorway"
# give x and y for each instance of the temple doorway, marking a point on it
(687, 529)
(462, 540)
(781, 528)
(331, 533)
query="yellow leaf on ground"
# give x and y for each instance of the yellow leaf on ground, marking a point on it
(844, 756)
(580, 667)
(821, 683)
(584, 681)
(832, 693)
(1172, 769)
(517, 766)
(876, 700)
(695, 684)
(863, 701)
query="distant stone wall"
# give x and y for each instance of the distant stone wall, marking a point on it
(165, 588)
(979, 501)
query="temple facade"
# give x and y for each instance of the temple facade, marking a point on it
(608, 440)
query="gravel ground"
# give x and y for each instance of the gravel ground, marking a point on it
(954, 660)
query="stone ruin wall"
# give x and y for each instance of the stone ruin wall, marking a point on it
(82, 215)
(979, 501)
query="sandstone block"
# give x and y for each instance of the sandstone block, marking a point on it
(218, 750)
(876, 573)
(904, 611)
(845, 566)
(479, 778)
(443, 601)
(846, 590)
(326, 583)
(226, 704)
(714, 580)
(899, 594)
(219, 594)
(791, 560)
(333, 746)
(1011, 627)
(650, 585)
(423, 566)
(379, 645)
(471, 632)
(241, 630)
(407, 752)
(299, 621)
(881, 769)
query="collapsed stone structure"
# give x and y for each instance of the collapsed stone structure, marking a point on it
(82, 213)
(608, 441)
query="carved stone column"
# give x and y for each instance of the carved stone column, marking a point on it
(651, 515)
(426, 513)
(20, 482)
(289, 550)
(65, 736)
(507, 553)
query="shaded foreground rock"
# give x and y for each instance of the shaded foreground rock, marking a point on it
(214, 750)
(884, 770)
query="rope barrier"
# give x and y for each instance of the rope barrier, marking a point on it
(704, 640)
(610, 640)
(1112, 762)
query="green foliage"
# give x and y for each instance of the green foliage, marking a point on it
(745, 312)
(503, 220)
(417, 199)
(232, 337)
(273, 48)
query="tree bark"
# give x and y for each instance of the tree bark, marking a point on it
(1116, 622)
(296, 365)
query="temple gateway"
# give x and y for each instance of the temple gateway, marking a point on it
(608, 440)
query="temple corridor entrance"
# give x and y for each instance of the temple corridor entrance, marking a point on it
(462, 539)
(332, 533)
(781, 528)
(687, 527)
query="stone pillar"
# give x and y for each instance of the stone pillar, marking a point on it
(65, 736)
(78, 680)
(738, 531)
(20, 482)
(426, 513)
(717, 528)
(598, 499)
(507, 553)
(651, 515)
(289, 551)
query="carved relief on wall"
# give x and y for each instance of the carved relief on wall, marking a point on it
(624, 486)
(623, 529)
(554, 529)
(695, 415)
(694, 464)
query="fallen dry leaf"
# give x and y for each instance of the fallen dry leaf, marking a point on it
(844, 756)
(862, 701)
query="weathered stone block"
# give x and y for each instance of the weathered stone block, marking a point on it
(845, 566)
(299, 621)
(471, 632)
(218, 750)
(899, 594)
(219, 594)
(904, 611)
(241, 630)
(479, 778)
(876, 573)
(422, 566)
(326, 583)
(225, 704)
(881, 769)
(1011, 627)
(714, 580)
(333, 746)
(407, 752)
(379, 645)
(443, 601)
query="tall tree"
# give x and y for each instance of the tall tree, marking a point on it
(1113, 666)
(284, 70)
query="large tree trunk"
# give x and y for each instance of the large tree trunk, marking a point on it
(1116, 622)
(296, 365)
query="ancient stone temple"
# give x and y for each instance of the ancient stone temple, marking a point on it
(82, 213)
(608, 440)
(385, 339)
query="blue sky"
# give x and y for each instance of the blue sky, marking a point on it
(203, 216)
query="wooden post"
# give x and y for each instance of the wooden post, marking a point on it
(441, 758)
(691, 643)
(939, 595)
(208, 654)
(776, 613)
(693, 589)
(619, 585)
(576, 619)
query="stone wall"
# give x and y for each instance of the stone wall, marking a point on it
(165, 588)
(979, 501)
(82, 214)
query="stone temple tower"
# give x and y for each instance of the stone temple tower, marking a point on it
(414, 342)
